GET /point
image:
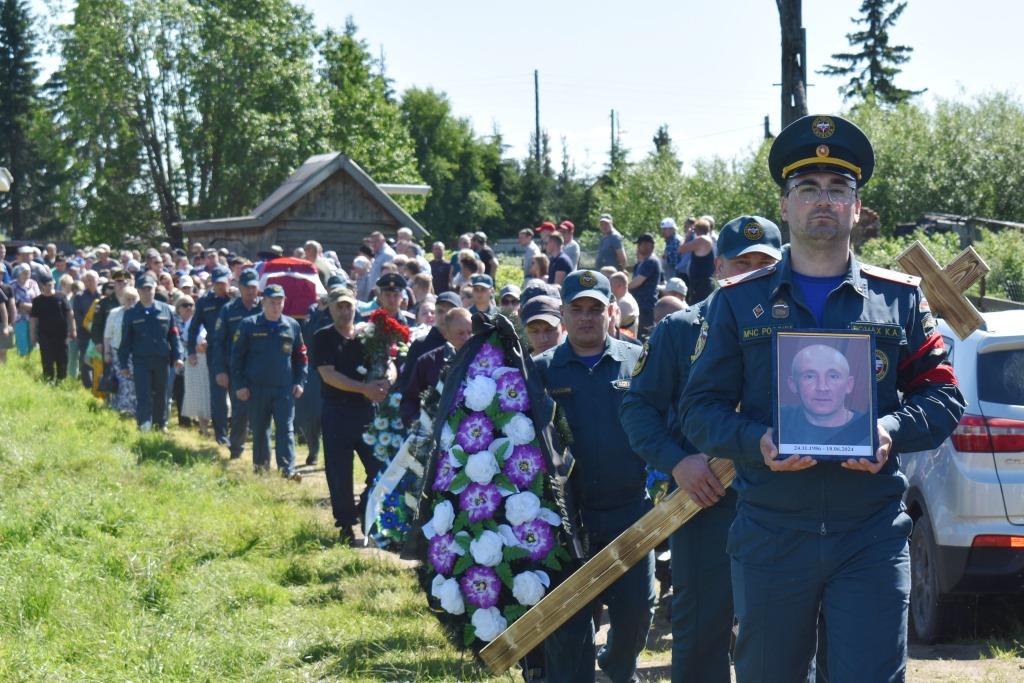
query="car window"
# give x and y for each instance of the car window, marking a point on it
(948, 341)
(1001, 377)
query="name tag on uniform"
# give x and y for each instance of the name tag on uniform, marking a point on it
(621, 384)
(561, 391)
(881, 330)
(259, 334)
(760, 332)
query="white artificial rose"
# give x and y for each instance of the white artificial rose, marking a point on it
(519, 429)
(448, 593)
(529, 587)
(481, 467)
(521, 508)
(486, 550)
(480, 392)
(447, 436)
(488, 623)
(444, 515)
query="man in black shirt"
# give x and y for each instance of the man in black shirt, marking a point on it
(486, 254)
(348, 400)
(52, 326)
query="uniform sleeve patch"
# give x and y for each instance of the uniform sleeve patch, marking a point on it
(641, 361)
(702, 341)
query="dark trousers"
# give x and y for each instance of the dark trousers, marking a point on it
(54, 354)
(218, 407)
(84, 366)
(859, 580)
(307, 414)
(702, 596)
(277, 403)
(239, 424)
(343, 425)
(178, 395)
(569, 651)
(150, 374)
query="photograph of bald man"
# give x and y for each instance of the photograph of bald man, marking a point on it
(822, 415)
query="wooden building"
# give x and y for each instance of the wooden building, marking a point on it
(328, 199)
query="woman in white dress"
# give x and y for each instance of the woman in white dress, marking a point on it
(124, 399)
(196, 403)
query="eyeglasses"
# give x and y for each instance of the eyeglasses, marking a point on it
(186, 305)
(837, 194)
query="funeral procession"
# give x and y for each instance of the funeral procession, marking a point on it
(555, 343)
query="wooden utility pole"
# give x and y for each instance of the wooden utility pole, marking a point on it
(794, 61)
(536, 114)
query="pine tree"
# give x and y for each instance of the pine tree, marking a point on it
(18, 73)
(872, 70)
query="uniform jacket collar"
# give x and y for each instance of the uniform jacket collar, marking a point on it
(563, 354)
(783, 276)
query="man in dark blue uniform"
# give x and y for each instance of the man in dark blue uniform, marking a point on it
(219, 356)
(812, 536)
(587, 375)
(268, 369)
(483, 295)
(207, 312)
(150, 339)
(702, 613)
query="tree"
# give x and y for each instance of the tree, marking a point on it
(23, 124)
(662, 140)
(364, 122)
(873, 68)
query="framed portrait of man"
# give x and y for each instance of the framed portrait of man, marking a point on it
(824, 394)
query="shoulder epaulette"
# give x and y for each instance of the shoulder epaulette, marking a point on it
(744, 277)
(890, 275)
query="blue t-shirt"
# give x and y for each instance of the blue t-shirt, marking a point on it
(558, 263)
(815, 290)
(646, 295)
(591, 361)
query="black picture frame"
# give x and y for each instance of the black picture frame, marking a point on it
(824, 402)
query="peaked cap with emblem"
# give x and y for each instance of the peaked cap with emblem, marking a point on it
(586, 283)
(747, 234)
(821, 143)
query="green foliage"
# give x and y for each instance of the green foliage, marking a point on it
(873, 69)
(1003, 251)
(365, 123)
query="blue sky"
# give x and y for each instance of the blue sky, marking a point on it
(706, 69)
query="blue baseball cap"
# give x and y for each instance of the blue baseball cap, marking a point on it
(821, 143)
(249, 276)
(335, 281)
(481, 280)
(273, 292)
(748, 234)
(590, 283)
(450, 298)
(220, 275)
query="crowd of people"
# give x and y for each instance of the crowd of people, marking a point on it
(654, 366)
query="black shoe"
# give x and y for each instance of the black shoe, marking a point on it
(312, 461)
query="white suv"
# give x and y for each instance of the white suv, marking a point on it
(967, 496)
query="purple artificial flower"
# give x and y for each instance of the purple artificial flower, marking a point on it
(441, 551)
(488, 359)
(446, 470)
(523, 465)
(512, 391)
(480, 586)
(475, 433)
(536, 538)
(480, 501)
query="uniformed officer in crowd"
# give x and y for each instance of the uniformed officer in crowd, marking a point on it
(819, 536)
(150, 339)
(103, 307)
(347, 408)
(207, 312)
(268, 369)
(390, 287)
(307, 406)
(483, 294)
(702, 613)
(219, 353)
(587, 375)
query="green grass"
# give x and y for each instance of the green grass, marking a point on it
(151, 558)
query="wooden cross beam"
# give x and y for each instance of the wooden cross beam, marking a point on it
(5, 180)
(584, 585)
(945, 287)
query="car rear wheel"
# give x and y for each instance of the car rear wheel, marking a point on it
(932, 615)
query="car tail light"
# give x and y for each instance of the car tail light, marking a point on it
(976, 434)
(992, 541)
